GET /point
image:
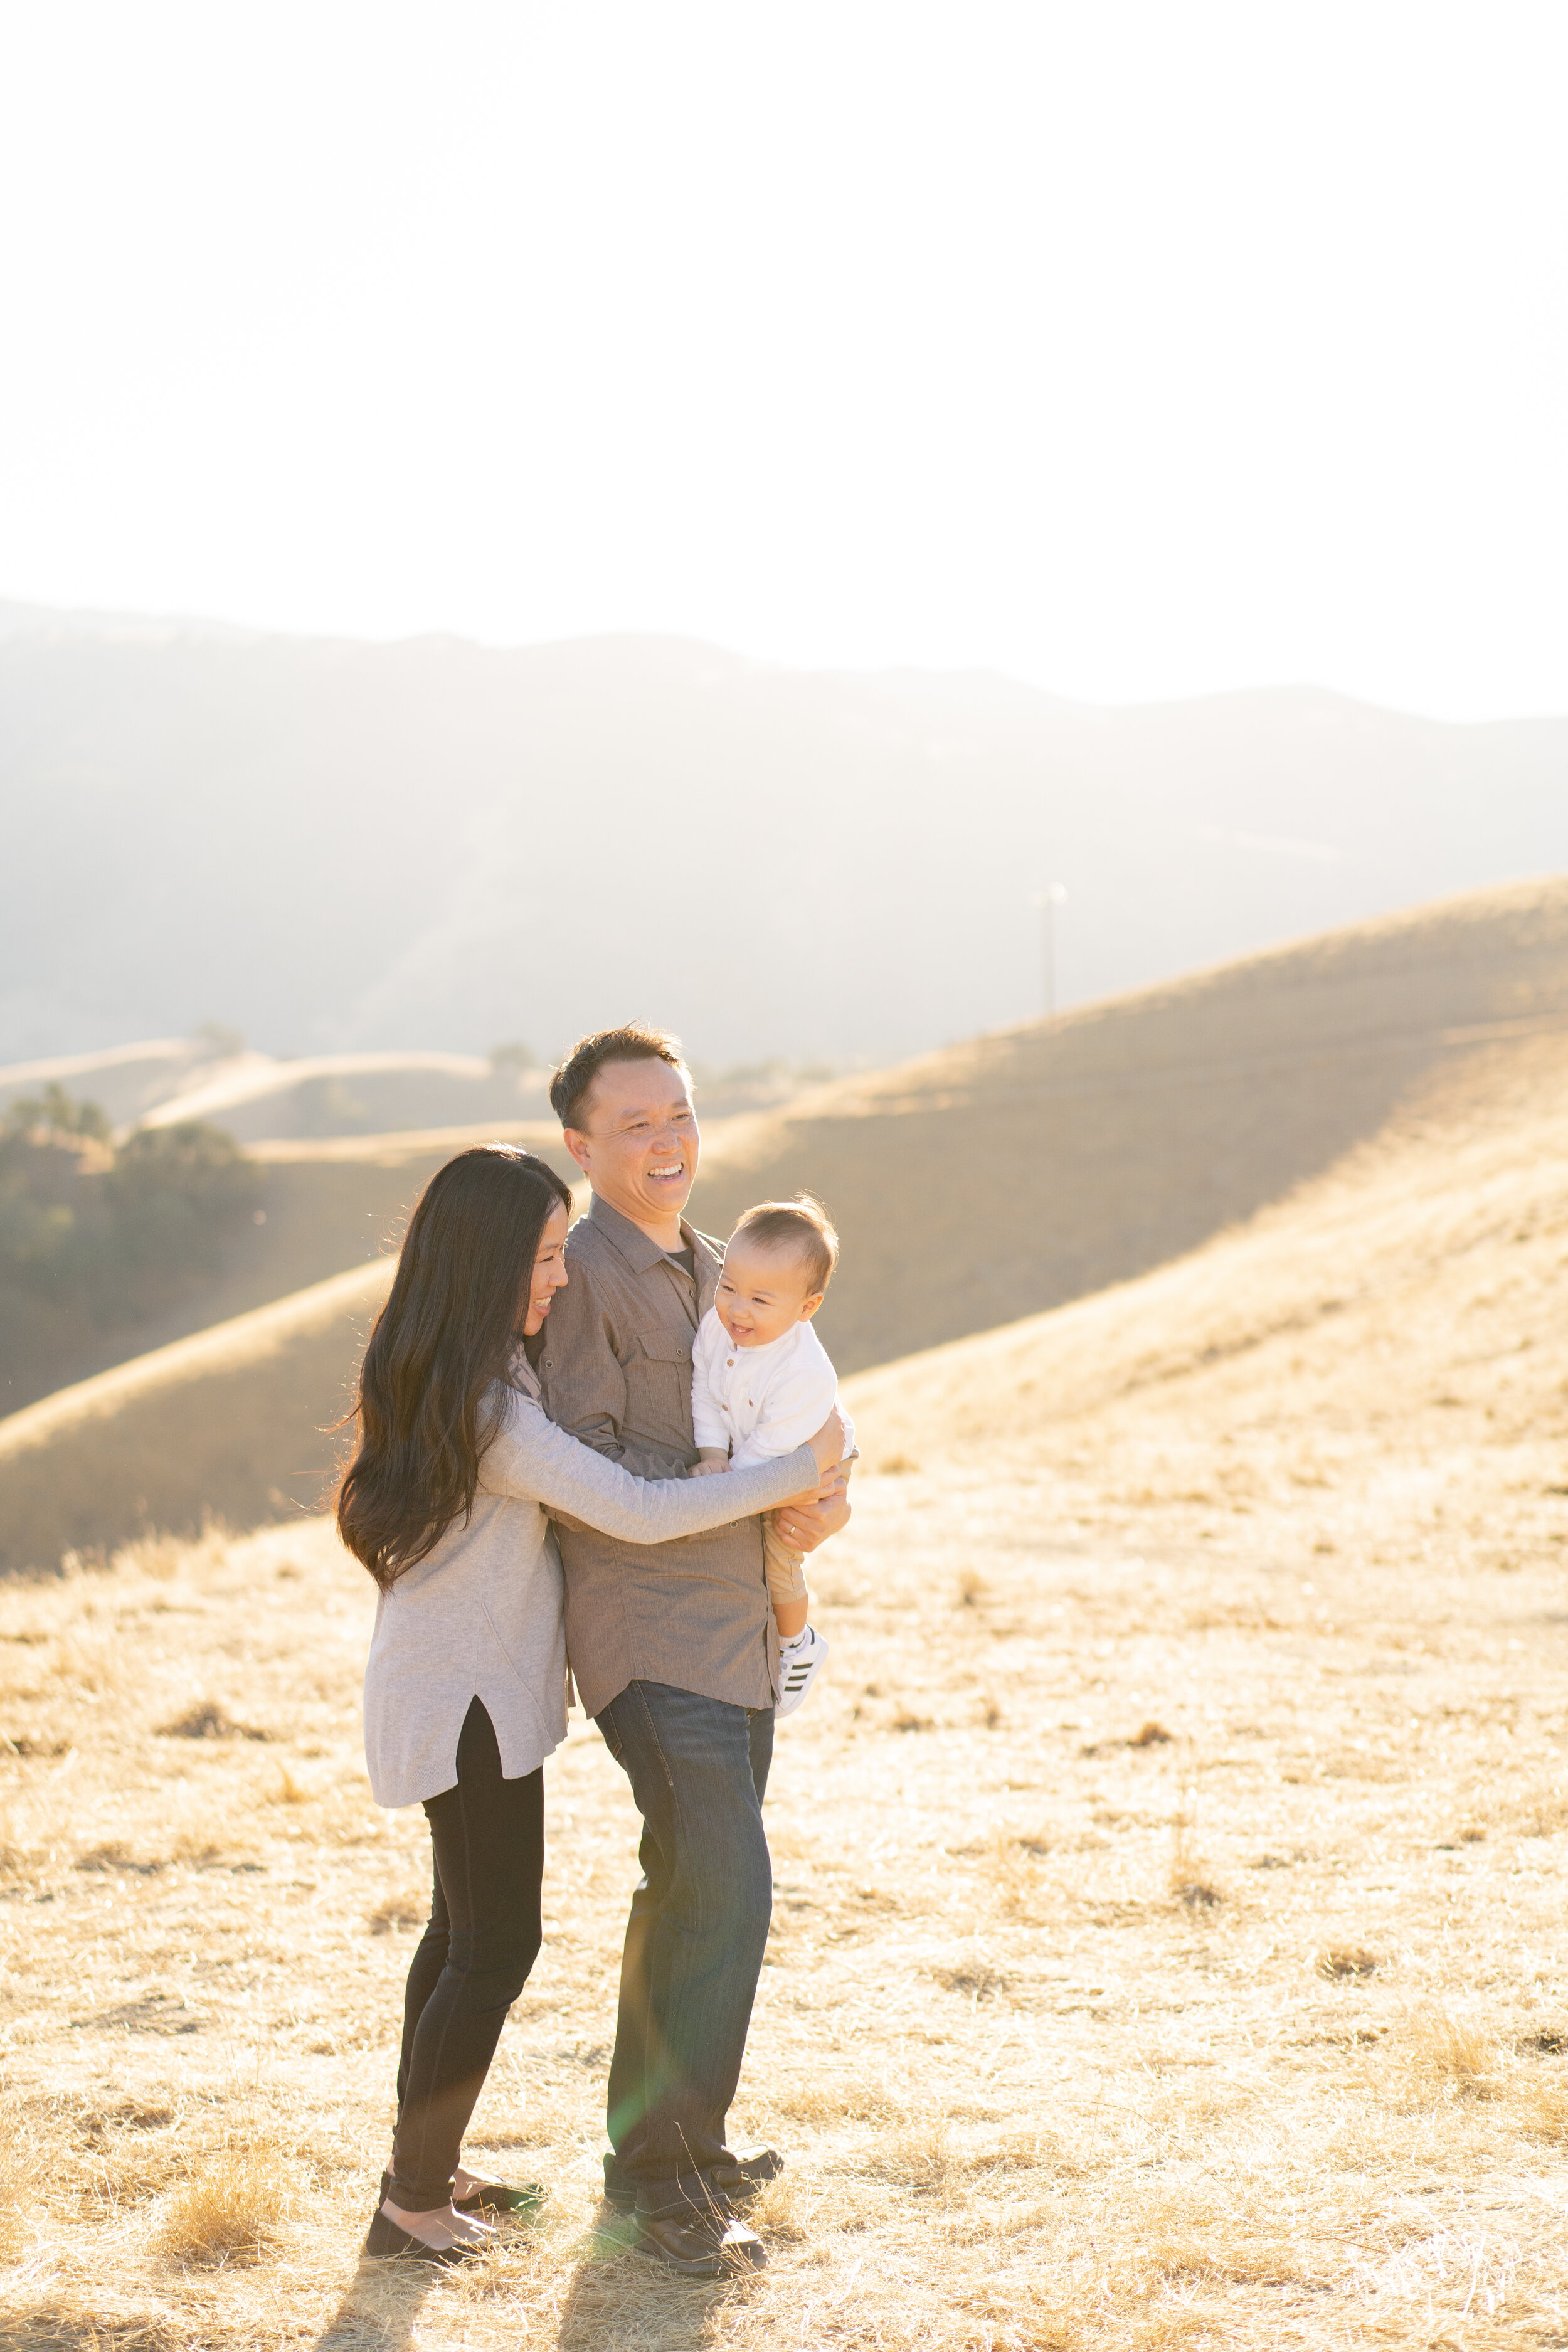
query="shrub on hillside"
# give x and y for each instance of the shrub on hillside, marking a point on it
(174, 1193)
(87, 1230)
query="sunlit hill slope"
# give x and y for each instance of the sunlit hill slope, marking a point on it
(1043, 1162)
(1385, 1105)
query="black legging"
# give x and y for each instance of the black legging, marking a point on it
(488, 1838)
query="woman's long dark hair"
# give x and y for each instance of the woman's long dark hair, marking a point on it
(443, 1338)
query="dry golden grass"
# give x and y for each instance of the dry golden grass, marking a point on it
(231, 1421)
(1167, 1948)
(237, 2206)
(1190, 1629)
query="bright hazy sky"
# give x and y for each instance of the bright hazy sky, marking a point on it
(1136, 349)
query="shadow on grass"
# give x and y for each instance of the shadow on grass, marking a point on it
(49, 2327)
(380, 2306)
(617, 2300)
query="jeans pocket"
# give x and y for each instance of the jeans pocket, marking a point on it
(611, 1735)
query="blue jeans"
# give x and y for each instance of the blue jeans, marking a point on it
(698, 1930)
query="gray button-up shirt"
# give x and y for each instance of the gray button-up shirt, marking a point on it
(615, 1368)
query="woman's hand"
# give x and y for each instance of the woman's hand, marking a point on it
(812, 1518)
(828, 1443)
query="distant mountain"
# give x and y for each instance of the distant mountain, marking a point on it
(334, 847)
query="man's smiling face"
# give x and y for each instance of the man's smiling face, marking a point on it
(638, 1144)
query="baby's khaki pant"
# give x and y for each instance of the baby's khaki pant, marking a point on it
(785, 1569)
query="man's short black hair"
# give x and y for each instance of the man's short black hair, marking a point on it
(637, 1041)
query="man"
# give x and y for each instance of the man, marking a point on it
(674, 1653)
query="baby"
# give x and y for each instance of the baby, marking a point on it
(761, 1383)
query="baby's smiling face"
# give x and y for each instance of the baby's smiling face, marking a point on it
(762, 1293)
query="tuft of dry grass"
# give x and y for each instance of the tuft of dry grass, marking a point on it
(1192, 1881)
(977, 1980)
(235, 2207)
(772, 2211)
(1343, 1963)
(1453, 2054)
(920, 2158)
(397, 1911)
(159, 1558)
(19, 2161)
(838, 2100)
(207, 1720)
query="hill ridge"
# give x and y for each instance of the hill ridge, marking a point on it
(960, 1210)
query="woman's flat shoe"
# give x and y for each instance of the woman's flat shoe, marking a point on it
(385, 2242)
(495, 2197)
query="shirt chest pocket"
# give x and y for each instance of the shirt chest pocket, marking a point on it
(659, 1386)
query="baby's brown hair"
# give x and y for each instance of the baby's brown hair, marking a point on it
(802, 1227)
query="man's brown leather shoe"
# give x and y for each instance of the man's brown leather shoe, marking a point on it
(753, 2166)
(707, 2246)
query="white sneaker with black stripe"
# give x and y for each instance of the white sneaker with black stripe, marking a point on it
(800, 1661)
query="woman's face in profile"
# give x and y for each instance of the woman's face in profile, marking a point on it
(549, 1274)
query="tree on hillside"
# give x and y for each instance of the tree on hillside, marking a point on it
(95, 1233)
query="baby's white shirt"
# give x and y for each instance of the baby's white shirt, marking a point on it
(761, 1401)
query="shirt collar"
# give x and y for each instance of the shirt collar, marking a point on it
(639, 1252)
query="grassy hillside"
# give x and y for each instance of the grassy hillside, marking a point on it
(1166, 1949)
(256, 1096)
(212, 1077)
(1001, 1176)
(327, 1206)
(234, 1422)
(100, 1236)
(1035, 1166)
(1409, 1307)
(972, 1189)
(124, 1081)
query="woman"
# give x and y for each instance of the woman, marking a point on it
(446, 1504)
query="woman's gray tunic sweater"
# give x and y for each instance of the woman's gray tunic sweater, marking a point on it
(483, 1616)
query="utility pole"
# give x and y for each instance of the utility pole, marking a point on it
(1047, 900)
